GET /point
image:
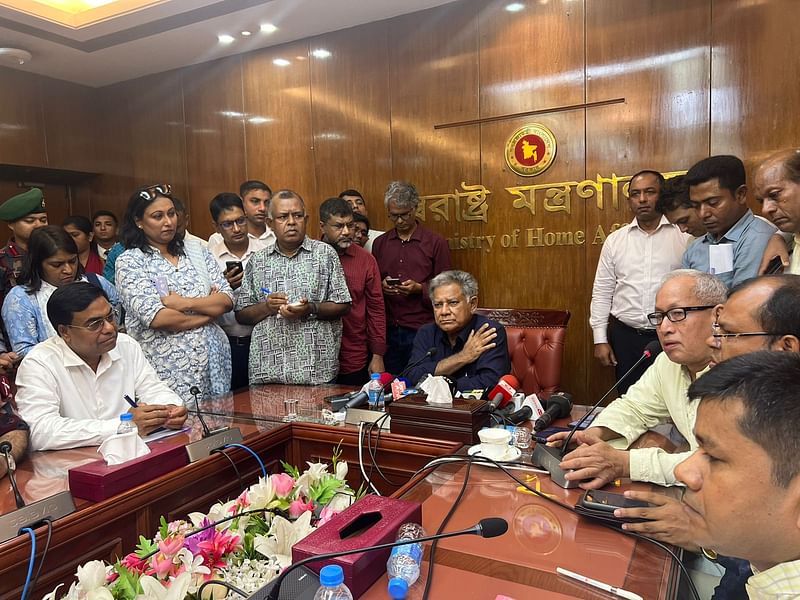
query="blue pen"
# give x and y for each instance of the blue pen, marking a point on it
(265, 291)
(131, 401)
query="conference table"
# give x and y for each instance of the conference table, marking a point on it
(520, 564)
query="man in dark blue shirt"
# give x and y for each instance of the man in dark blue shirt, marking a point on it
(470, 349)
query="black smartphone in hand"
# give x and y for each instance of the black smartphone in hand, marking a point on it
(775, 265)
(233, 265)
(609, 501)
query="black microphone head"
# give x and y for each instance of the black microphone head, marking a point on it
(563, 401)
(652, 349)
(194, 390)
(5, 447)
(492, 527)
(431, 351)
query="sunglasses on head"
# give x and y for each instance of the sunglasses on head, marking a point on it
(152, 192)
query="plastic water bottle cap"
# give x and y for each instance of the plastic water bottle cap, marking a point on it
(398, 588)
(375, 376)
(126, 417)
(331, 575)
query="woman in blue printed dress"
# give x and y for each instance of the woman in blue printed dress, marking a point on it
(173, 293)
(52, 261)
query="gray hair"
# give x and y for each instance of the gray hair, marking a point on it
(464, 280)
(708, 288)
(402, 193)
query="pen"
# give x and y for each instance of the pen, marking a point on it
(599, 584)
(265, 291)
(131, 401)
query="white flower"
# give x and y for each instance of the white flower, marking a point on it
(340, 501)
(262, 493)
(310, 478)
(154, 590)
(283, 534)
(91, 582)
(341, 470)
(194, 566)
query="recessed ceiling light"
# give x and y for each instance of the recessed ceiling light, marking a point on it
(268, 28)
(226, 39)
(321, 53)
(281, 62)
(246, 33)
(515, 7)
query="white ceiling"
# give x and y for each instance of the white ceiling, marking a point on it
(176, 33)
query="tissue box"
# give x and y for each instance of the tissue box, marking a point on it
(412, 415)
(97, 481)
(373, 520)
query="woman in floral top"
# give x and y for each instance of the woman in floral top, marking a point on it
(172, 293)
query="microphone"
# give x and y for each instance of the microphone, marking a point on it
(652, 349)
(502, 393)
(195, 391)
(520, 416)
(429, 353)
(361, 397)
(550, 458)
(558, 406)
(486, 528)
(5, 448)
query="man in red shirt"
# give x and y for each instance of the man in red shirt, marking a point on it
(408, 256)
(364, 327)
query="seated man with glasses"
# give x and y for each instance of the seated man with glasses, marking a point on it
(682, 319)
(409, 256)
(71, 389)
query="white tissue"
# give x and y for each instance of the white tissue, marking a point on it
(122, 447)
(438, 390)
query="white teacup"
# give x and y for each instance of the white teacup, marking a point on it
(494, 442)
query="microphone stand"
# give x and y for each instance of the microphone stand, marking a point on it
(549, 458)
(272, 590)
(5, 448)
(211, 440)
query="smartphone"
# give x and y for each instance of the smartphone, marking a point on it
(775, 265)
(233, 265)
(609, 501)
(393, 280)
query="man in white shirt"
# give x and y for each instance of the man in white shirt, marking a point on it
(232, 248)
(359, 205)
(683, 316)
(256, 196)
(633, 261)
(71, 389)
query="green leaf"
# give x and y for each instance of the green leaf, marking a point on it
(164, 529)
(126, 587)
(291, 469)
(324, 491)
(145, 547)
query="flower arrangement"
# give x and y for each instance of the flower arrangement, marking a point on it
(245, 542)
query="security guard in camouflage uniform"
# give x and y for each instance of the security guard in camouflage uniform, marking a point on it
(23, 213)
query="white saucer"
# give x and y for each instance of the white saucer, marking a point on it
(513, 453)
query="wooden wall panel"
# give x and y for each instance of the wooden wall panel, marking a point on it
(754, 79)
(157, 140)
(71, 125)
(22, 140)
(277, 107)
(656, 56)
(531, 60)
(214, 117)
(350, 112)
(434, 80)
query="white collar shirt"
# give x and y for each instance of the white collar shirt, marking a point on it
(68, 405)
(222, 255)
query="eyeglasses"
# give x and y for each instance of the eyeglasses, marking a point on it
(152, 192)
(240, 222)
(402, 216)
(96, 325)
(674, 315)
(717, 334)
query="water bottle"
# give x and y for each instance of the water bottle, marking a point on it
(332, 587)
(375, 392)
(404, 561)
(126, 424)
